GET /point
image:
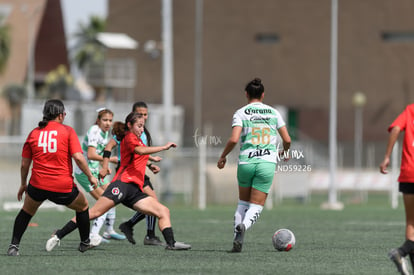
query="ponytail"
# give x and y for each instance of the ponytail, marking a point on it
(149, 139)
(118, 130)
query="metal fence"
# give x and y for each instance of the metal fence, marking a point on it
(183, 172)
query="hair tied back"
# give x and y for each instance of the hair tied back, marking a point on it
(257, 81)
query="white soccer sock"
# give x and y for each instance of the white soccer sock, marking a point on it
(252, 215)
(242, 207)
(97, 224)
(110, 220)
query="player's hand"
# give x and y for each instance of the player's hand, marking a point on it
(384, 164)
(221, 163)
(169, 145)
(156, 159)
(154, 168)
(113, 159)
(22, 190)
(104, 172)
(93, 181)
(284, 155)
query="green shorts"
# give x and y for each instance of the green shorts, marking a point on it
(82, 179)
(256, 175)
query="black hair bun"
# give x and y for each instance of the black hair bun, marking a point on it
(257, 81)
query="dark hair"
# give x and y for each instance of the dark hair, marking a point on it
(142, 104)
(139, 104)
(120, 129)
(255, 88)
(102, 112)
(52, 109)
(147, 133)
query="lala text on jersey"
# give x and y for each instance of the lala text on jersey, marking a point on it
(259, 153)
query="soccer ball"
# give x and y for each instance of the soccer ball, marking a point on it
(283, 240)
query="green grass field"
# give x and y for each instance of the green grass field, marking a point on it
(353, 241)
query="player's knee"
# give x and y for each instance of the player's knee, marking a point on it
(83, 206)
(83, 202)
(164, 212)
(93, 213)
(80, 203)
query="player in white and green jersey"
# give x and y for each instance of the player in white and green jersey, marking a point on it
(259, 123)
(256, 125)
(93, 146)
(96, 138)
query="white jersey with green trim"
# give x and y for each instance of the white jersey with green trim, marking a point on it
(97, 138)
(259, 123)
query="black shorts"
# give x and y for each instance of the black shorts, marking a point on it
(147, 182)
(406, 187)
(126, 193)
(56, 197)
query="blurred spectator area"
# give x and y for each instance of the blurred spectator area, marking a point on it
(38, 45)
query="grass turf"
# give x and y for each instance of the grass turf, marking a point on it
(353, 241)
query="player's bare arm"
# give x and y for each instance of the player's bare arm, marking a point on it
(24, 171)
(105, 170)
(142, 150)
(234, 138)
(395, 132)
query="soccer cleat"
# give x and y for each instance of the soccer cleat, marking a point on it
(399, 261)
(96, 239)
(83, 246)
(113, 235)
(238, 239)
(52, 242)
(128, 231)
(153, 241)
(104, 240)
(13, 250)
(178, 246)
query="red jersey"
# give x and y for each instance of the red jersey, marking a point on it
(51, 149)
(406, 122)
(132, 169)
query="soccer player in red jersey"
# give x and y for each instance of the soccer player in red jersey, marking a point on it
(51, 147)
(404, 122)
(150, 238)
(127, 185)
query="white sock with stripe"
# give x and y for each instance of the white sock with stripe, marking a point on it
(252, 215)
(242, 207)
(97, 224)
(110, 220)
